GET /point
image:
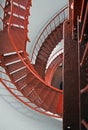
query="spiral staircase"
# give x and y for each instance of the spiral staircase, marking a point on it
(31, 80)
(17, 65)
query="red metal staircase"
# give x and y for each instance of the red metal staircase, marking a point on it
(50, 36)
(14, 59)
(43, 54)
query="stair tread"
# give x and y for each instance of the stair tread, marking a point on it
(51, 100)
(30, 86)
(54, 109)
(17, 20)
(45, 49)
(10, 58)
(20, 73)
(43, 53)
(39, 89)
(44, 97)
(44, 59)
(18, 10)
(23, 3)
(15, 66)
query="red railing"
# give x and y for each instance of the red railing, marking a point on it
(7, 83)
(28, 66)
(55, 21)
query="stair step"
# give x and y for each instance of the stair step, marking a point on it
(27, 90)
(45, 96)
(49, 43)
(21, 83)
(34, 83)
(45, 49)
(24, 80)
(33, 95)
(19, 74)
(55, 36)
(42, 58)
(17, 21)
(37, 62)
(52, 39)
(30, 80)
(22, 2)
(10, 58)
(30, 87)
(47, 46)
(51, 100)
(39, 89)
(40, 69)
(18, 10)
(54, 106)
(15, 66)
(40, 92)
(44, 54)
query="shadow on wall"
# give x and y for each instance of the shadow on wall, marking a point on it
(16, 116)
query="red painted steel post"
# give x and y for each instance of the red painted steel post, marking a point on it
(71, 108)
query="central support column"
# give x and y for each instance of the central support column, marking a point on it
(71, 108)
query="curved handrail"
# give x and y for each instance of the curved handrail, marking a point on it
(21, 97)
(28, 65)
(55, 21)
(27, 103)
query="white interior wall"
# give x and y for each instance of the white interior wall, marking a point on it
(15, 116)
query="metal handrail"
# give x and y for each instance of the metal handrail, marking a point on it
(27, 64)
(55, 21)
(21, 97)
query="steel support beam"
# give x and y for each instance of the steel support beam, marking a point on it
(71, 108)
